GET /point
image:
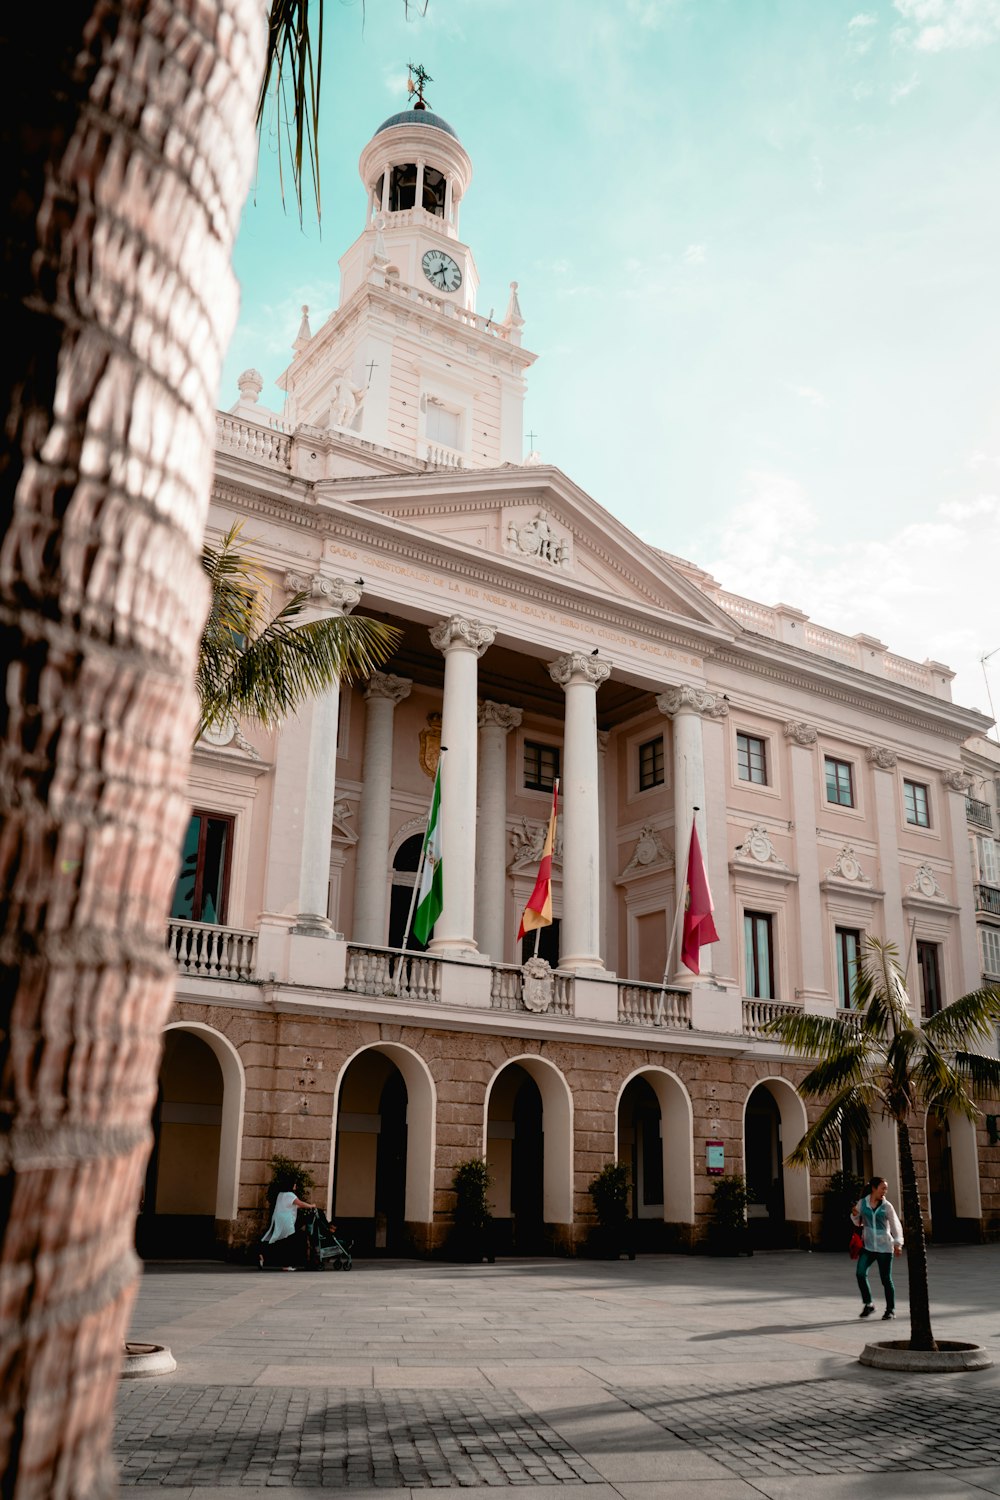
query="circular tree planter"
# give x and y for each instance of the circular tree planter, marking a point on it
(140, 1360)
(944, 1360)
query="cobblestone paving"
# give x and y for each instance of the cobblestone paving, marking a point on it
(229, 1435)
(829, 1427)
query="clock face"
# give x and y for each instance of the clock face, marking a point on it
(441, 271)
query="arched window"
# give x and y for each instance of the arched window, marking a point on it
(403, 187)
(404, 878)
(434, 188)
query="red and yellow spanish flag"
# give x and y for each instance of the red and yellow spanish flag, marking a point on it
(538, 912)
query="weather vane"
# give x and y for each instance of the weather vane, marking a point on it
(419, 76)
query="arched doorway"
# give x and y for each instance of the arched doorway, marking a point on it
(381, 1190)
(190, 1194)
(654, 1142)
(529, 1152)
(953, 1178)
(778, 1208)
(405, 863)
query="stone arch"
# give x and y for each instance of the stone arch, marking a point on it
(233, 1106)
(557, 1108)
(677, 1128)
(421, 1119)
(794, 1123)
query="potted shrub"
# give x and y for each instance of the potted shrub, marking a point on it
(471, 1237)
(727, 1228)
(609, 1193)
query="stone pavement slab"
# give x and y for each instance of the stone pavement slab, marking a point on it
(666, 1378)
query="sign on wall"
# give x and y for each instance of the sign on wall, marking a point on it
(715, 1157)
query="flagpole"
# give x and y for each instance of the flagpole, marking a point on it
(423, 857)
(678, 915)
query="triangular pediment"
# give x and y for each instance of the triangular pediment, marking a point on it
(537, 522)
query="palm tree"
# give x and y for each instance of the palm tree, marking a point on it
(260, 668)
(126, 147)
(880, 1059)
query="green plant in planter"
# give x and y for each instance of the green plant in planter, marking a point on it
(727, 1228)
(288, 1176)
(472, 1226)
(843, 1192)
(609, 1192)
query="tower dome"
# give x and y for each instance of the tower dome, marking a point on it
(415, 161)
(417, 116)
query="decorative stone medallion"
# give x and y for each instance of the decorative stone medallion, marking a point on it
(537, 985)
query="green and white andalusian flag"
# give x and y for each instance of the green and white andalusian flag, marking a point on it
(429, 897)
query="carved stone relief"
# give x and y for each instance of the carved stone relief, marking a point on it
(881, 758)
(847, 867)
(685, 696)
(925, 884)
(537, 540)
(527, 842)
(650, 853)
(757, 848)
(799, 733)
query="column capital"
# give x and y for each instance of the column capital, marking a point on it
(881, 758)
(958, 781)
(500, 715)
(800, 733)
(458, 631)
(386, 685)
(333, 594)
(576, 667)
(685, 697)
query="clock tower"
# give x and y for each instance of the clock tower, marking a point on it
(406, 361)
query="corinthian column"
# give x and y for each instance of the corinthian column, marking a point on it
(580, 935)
(688, 706)
(462, 642)
(496, 720)
(384, 691)
(317, 724)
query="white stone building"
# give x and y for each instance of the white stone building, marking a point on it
(539, 638)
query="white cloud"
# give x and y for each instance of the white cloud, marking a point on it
(942, 25)
(810, 394)
(861, 21)
(901, 90)
(694, 255)
(914, 589)
(860, 33)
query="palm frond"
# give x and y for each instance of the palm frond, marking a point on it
(833, 1074)
(972, 1019)
(982, 1074)
(847, 1114)
(294, 76)
(809, 1036)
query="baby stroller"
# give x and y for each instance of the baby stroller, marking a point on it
(324, 1248)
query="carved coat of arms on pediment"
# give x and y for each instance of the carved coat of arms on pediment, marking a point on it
(847, 867)
(430, 746)
(527, 841)
(925, 884)
(650, 853)
(537, 539)
(537, 985)
(757, 849)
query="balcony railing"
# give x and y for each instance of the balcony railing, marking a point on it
(979, 813)
(382, 972)
(652, 1005)
(757, 1013)
(212, 952)
(988, 899)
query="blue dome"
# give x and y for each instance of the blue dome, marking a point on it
(417, 117)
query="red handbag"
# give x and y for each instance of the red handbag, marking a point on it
(857, 1244)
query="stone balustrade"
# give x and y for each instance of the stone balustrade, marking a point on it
(262, 444)
(213, 952)
(757, 1014)
(652, 1005)
(379, 972)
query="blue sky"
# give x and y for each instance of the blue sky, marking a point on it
(757, 243)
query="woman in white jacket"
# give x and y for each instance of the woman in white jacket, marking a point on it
(882, 1237)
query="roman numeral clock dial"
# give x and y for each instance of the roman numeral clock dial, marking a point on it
(441, 271)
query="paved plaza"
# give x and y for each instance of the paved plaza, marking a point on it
(665, 1378)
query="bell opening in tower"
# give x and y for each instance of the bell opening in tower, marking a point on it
(434, 191)
(403, 187)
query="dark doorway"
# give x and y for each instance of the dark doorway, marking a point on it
(548, 944)
(404, 878)
(526, 1171)
(177, 1214)
(765, 1172)
(369, 1193)
(641, 1147)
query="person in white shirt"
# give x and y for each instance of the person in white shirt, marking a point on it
(882, 1238)
(281, 1230)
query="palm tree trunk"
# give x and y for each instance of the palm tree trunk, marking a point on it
(127, 145)
(921, 1334)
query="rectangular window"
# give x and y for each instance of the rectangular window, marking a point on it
(751, 759)
(443, 425)
(759, 954)
(929, 968)
(651, 764)
(848, 940)
(839, 782)
(989, 864)
(201, 892)
(990, 940)
(915, 803)
(541, 766)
